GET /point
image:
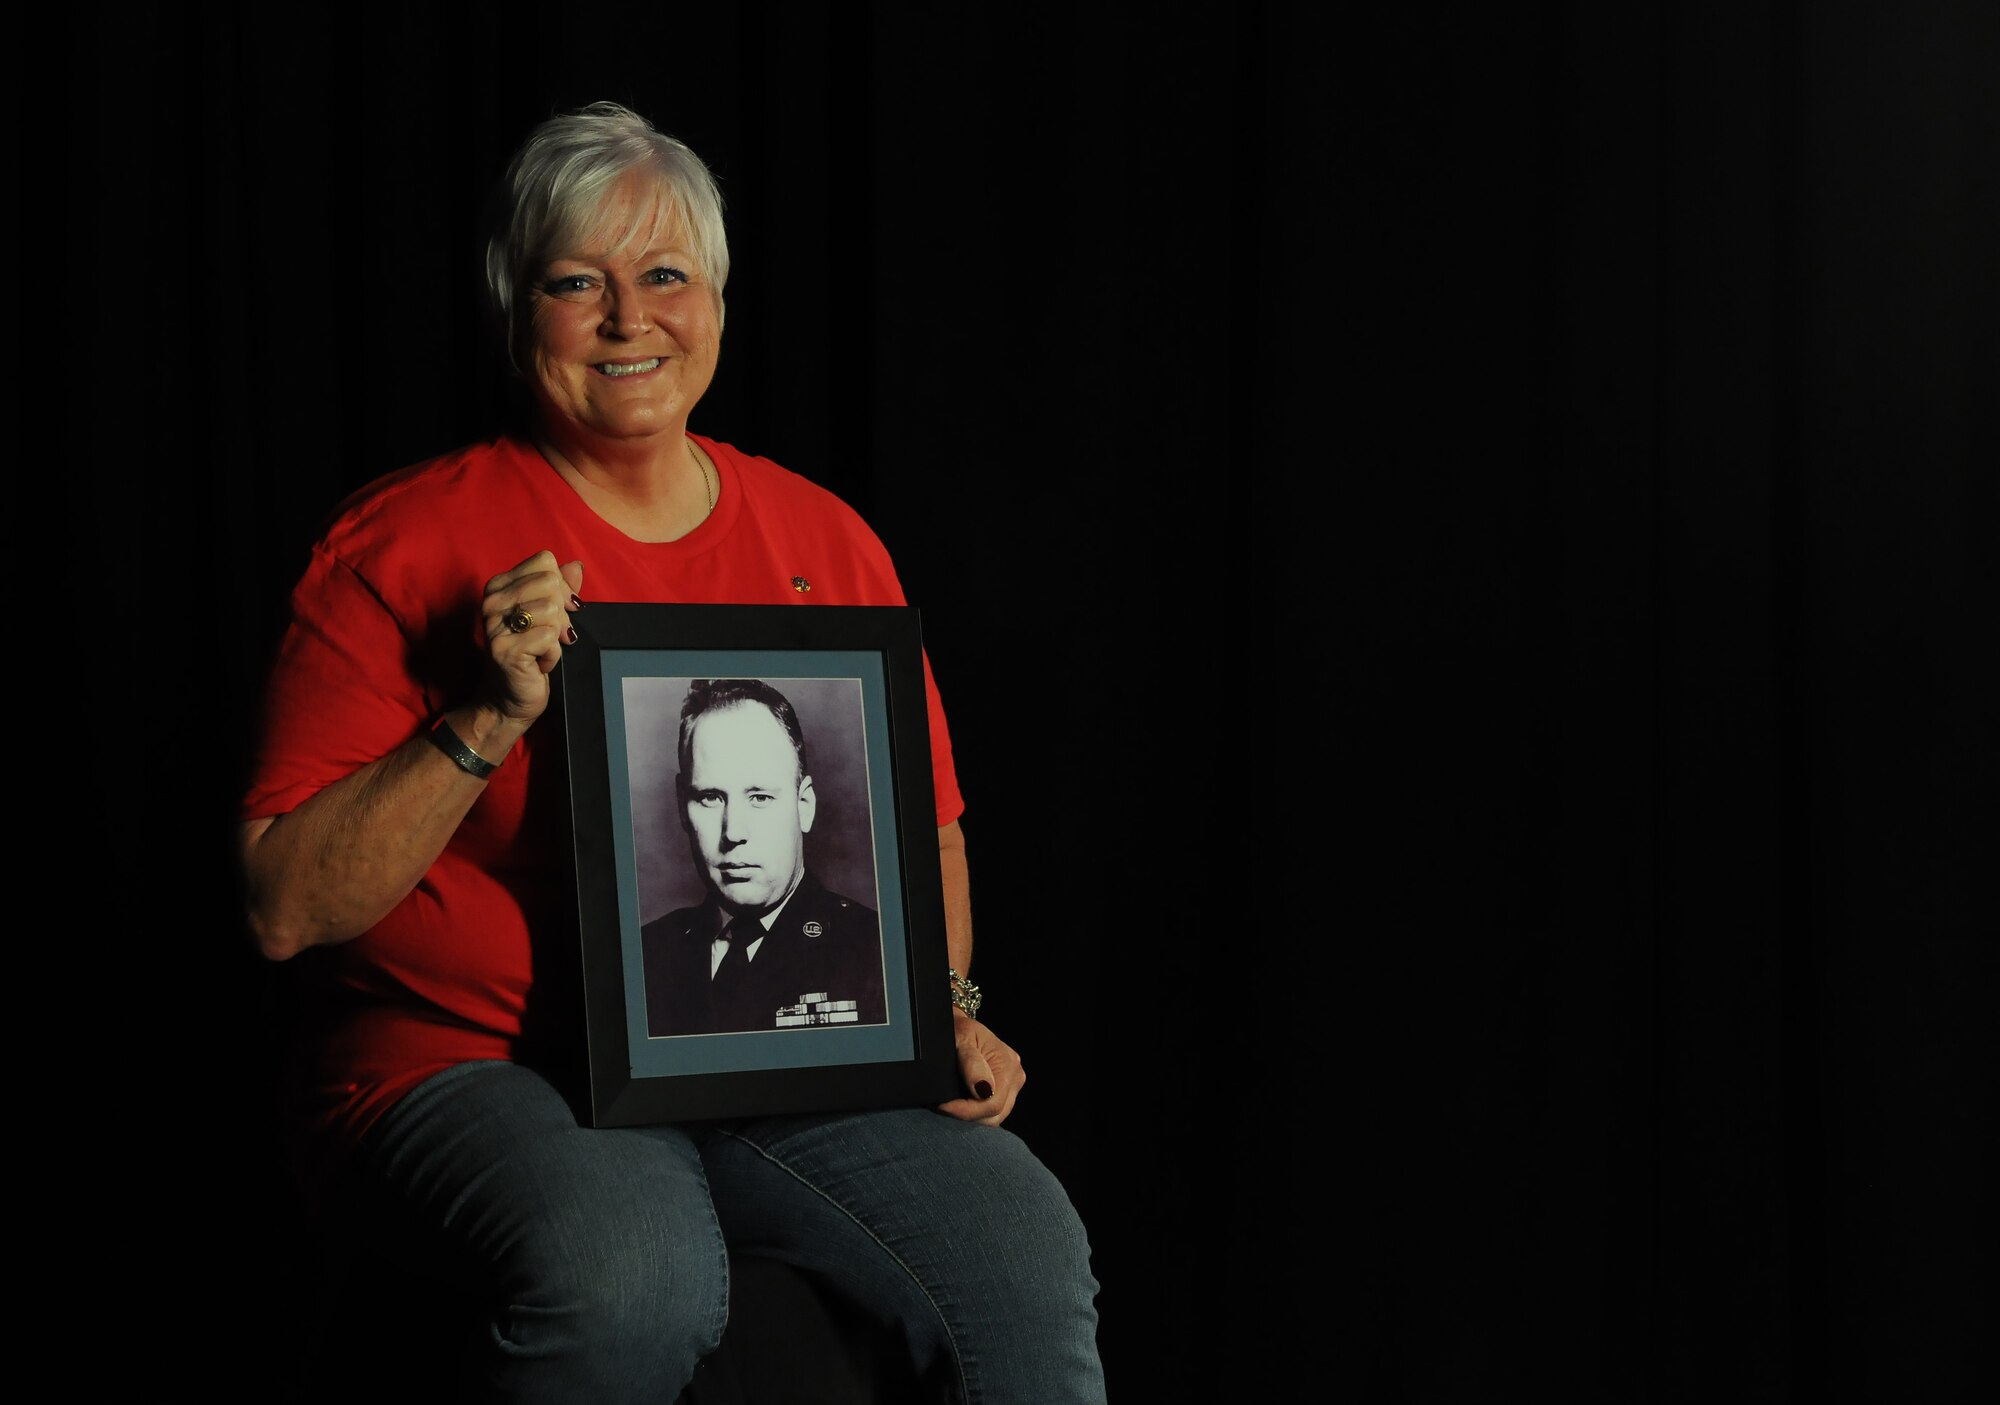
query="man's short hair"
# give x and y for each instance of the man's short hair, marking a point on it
(706, 695)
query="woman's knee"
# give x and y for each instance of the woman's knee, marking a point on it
(1034, 1252)
(612, 1308)
(1046, 1245)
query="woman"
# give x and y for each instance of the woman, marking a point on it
(394, 833)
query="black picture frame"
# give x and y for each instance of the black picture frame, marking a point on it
(855, 676)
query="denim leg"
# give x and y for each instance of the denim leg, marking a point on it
(597, 1249)
(953, 1230)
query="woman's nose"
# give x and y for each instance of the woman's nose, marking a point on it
(625, 311)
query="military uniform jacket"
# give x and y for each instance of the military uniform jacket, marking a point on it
(819, 964)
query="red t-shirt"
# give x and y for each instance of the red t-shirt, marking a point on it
(385, 634)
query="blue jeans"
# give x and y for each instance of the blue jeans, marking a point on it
(604, 1251)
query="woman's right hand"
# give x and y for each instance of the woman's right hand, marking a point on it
(546, 593)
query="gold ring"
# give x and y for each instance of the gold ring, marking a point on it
(518, 619)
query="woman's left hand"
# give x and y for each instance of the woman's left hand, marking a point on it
(991, 1070)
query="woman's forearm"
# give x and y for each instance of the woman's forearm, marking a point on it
(957, 897)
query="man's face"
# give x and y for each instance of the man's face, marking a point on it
(747, 812)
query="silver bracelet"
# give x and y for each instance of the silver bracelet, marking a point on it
(964, 994)
(469, 761)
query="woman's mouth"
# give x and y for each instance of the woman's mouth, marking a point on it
(627, 368)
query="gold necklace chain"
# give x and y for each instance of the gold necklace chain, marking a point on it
(701, 462)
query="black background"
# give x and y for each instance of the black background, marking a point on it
(1457, 544)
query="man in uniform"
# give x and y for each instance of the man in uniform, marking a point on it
(771, 947)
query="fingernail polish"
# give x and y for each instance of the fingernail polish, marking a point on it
(984, 1089)
(569, 635)
(574, 603)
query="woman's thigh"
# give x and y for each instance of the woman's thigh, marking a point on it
(596, 1250)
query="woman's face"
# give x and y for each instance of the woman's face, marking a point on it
(624, 340)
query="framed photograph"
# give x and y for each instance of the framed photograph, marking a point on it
(759, 903)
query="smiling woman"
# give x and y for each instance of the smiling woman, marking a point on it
(398, 843)
(611, 310)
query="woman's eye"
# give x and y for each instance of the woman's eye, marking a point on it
(565, 285)
(663, 276)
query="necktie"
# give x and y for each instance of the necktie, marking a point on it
(730, 995)
(741, 931)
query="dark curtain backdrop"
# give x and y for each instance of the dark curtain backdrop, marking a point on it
(1458, 546)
